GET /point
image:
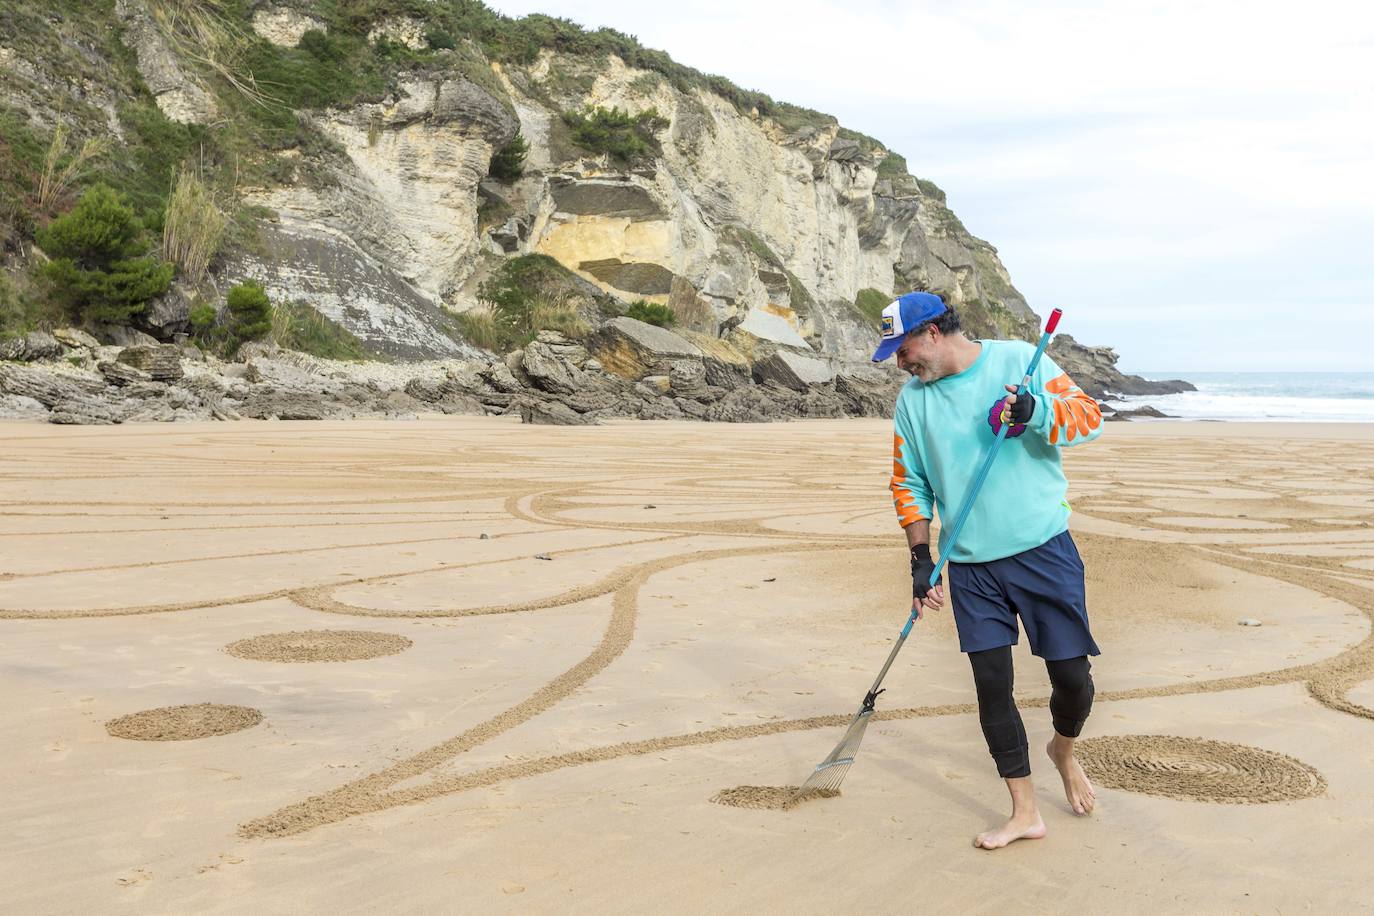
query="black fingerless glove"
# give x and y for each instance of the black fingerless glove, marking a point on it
(1022, 409)
(922, 565)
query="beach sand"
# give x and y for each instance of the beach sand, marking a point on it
(487, 730)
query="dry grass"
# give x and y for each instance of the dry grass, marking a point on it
(203, 31)
(55, 180)
(193, 228)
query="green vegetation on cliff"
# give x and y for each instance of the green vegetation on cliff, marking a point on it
(619, 134)
(524, 296)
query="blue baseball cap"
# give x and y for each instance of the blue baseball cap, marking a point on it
(906, 313)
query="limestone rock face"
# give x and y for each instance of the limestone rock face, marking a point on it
(396, 235)
(180, 96)
(284, 27)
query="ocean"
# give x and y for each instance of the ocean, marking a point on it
(1340, 397)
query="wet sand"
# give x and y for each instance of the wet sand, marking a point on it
(529, 734)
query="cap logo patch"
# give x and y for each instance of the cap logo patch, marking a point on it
(888, 330)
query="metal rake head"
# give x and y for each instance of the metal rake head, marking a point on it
(829, 773)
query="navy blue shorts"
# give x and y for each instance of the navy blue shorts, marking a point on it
(1044, 585)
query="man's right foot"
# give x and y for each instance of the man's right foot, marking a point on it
(1018, 828)
(1077, 787)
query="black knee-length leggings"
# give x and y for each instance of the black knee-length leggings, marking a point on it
(1070, 702)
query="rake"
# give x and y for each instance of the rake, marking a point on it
(830, 772)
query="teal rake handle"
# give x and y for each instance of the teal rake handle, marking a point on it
(967, 507)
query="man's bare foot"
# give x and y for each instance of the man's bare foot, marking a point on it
(1077, 788)
(1020, 827)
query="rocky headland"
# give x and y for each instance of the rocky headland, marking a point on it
(486, 207)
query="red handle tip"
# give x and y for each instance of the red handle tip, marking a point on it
(1054, 321)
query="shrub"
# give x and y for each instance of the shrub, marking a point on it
(202, 317)
(651, 313)
(250, 313)
(508, 163)
(439, 40)
(192, 228)
(871, 302)
(616, 133)
(521, 299)
(297, 326)
(95, 272)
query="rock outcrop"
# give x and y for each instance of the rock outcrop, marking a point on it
(1094, 369)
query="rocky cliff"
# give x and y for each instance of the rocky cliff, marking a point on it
(770, 233)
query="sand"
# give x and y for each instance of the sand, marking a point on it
(183, 723)
(318, 646)
(716, 601)
(771, 798)
(1196, 769)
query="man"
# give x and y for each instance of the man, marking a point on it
(1015, 556)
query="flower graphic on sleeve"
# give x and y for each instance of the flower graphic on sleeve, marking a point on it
(998, 415)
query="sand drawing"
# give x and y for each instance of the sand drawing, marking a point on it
(319, 646)
(183, 723)
(772, 798)
(1195, 769)
(1137, 497)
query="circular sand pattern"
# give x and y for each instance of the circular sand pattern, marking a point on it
(318, 646)
(183, 723)
(1196, 769)
(772, 798)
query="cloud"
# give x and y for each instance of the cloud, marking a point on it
(1130, 153)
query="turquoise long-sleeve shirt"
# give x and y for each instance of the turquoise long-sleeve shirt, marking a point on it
(944, 429)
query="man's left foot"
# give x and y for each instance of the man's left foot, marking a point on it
(1077, 788)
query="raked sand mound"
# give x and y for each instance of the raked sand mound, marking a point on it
(584, 633)
(183, 723)
(318, 646)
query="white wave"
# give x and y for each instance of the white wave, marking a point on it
(1212, 405)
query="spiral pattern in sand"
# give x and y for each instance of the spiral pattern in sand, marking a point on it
(183, 723)
(318, 646)
(1197, 769)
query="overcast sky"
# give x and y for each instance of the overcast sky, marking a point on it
(1192, 182)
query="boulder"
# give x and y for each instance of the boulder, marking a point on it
(1094, 370)
(550, 413)
(121, 374)
(19, 407)
(167, 315)
(85, 412)
(45, 387)
(75, 338)
(162, 363)
(633, 349)
(32, 346)
(745, 405)
(265, 403)
(793, 370)
(118, 335)
(1145, 410)
(549, 371)
(687, 378)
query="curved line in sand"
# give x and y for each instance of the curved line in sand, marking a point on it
(1327, 681)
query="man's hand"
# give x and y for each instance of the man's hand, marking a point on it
(922, 595)
(1018, 410)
